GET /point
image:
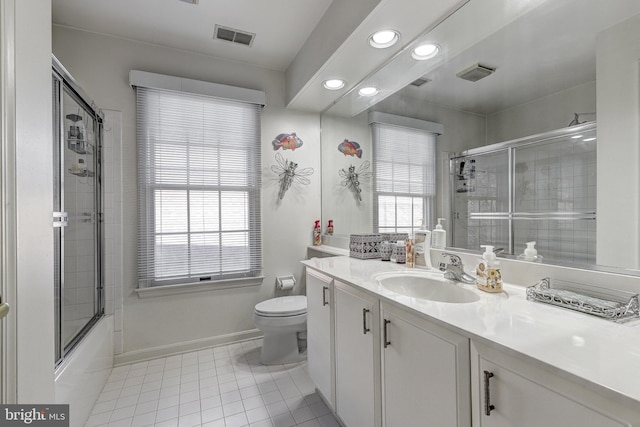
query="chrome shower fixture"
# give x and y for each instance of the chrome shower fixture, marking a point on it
(576, 119)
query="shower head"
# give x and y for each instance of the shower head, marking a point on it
(576, 119)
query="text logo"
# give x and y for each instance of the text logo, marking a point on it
(34, 415)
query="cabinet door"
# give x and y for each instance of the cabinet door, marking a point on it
(524, 395)
(425, 373)
(319, 333)
(357, 384)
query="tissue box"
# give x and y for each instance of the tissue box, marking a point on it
(394, 237)
(365, 246)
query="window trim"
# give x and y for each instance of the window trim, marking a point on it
(191, 287)
(429, 200)
(250, 277)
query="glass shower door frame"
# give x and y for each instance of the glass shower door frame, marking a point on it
(513, 214)
(63, 83)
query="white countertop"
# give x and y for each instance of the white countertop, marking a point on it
(602, 355)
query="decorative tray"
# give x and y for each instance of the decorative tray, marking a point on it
(612, 304)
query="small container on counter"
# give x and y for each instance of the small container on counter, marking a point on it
(488, 275)
(386, 249)
(399, 254)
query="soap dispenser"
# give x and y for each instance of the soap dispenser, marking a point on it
(488, 276)
(439, 236)
(530, 253)
(422, 248)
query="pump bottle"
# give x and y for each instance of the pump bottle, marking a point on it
(488, 275)
(422, 248)
(439, 236)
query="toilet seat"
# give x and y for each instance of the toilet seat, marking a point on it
(282, 306)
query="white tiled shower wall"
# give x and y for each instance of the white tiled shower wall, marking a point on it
(112, 188)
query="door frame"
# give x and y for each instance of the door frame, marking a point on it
(8, 220)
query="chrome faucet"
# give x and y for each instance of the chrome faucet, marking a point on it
(454, 270)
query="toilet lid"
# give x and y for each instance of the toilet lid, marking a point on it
(283, 306)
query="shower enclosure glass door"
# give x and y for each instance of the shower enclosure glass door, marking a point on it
(540, 188)
(77, 212)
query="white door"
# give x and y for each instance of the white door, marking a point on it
(7, 206)
(319, 331)
(425, 373)
(356, 388)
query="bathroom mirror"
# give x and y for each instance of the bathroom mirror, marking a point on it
(551, 60)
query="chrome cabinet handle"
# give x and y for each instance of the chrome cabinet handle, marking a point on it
(387, 343)
(324, 295)
(488, 407)
(364, 321)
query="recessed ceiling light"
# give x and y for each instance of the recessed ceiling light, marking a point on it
(333, 84)
(589, 139)
(576, 136)
(425, 51)
(368, 91)
(384, 38)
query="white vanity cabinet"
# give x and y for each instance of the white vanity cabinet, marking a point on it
(320, 334)
(357, 357)
(425, 372)
(507, 391)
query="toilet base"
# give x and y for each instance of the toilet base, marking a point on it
(280, 349)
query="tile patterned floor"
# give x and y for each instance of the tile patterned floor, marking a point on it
(216, 387)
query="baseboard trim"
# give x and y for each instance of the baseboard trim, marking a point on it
(183, 347)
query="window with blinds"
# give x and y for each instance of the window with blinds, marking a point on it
(198, 188)
(404, 167)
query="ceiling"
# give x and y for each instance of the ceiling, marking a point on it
(281, 26)
(309, 40)
(537, 48)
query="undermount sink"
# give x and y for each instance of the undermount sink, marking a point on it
(425, 286)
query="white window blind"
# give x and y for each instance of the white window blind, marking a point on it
(198, 188)
(404, 167)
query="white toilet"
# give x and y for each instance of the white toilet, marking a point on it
(281, 320)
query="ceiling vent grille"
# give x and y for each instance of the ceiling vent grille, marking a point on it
(476, 72)
(419, 82)
(233, 35)
(191, 1)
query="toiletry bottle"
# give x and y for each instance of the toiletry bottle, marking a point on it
(330, 228)
(439, 236)
(422, 257)
(530, 253)
(409, 251)
(317, 239)
(488, 275)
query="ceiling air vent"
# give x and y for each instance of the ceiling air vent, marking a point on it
(191, 1)
(233, 35)
(476, 72)
(419, 82)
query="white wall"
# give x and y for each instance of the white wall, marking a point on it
(338, 202)
(544, 114)
(34, 171)
(101, 65)
(617, 55)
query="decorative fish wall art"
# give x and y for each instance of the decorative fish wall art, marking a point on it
(288, 173)
(350, 148)
(287, 141)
